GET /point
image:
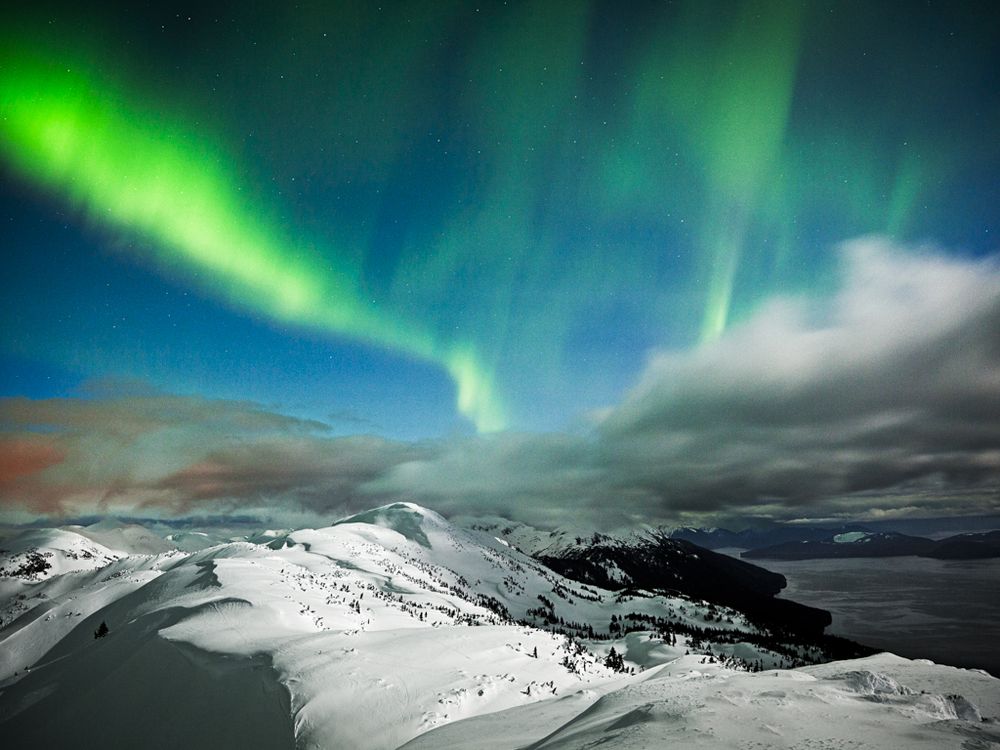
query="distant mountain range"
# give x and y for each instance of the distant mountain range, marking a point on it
(657, 559)
(883, 544)
(970, 545)
(754, 538)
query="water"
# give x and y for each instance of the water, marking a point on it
(945, 611)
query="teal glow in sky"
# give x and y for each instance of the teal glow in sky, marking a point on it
(417, 219)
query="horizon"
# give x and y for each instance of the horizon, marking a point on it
(934, 527)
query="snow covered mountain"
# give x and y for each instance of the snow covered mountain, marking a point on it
(766, 536)
(651, 560)
(971, 546)
(849, 544)
(794, 542)
(129, 538)
(395, 626)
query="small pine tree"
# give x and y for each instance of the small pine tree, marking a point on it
(102, 630)
(615, 661)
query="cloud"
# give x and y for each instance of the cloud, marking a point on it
(880, 400)
(893, 381)
(23, 456)
(74, 455)
(315, 474)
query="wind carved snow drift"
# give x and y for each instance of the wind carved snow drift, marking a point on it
(395, 628)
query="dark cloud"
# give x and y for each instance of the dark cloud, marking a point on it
(882, 400)
(320, 475)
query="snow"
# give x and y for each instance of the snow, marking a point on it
(192, 541)
(392, 627)
(58, 551)
(130, 539)
(687, 704)
(851, 537)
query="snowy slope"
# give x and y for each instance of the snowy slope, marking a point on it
(129, 539)
(192, 541)
(52, 580)
(651, 560)
(33, 566)
(351, 621)
(365, 634)
(38, 554)
(879, 702)
(528, 539)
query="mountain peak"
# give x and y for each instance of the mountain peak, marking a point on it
(405, 518)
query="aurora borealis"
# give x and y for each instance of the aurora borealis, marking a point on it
(423, 221)
(130, 171)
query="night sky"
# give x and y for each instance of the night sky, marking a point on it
(604, 262)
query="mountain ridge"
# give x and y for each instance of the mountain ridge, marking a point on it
(968, 546)
(358, 634)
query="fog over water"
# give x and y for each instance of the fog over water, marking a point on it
(945, 611)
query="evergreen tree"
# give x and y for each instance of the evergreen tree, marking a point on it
(615, 661)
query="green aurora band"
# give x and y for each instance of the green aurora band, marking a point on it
(135, 170)
(730, 89)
